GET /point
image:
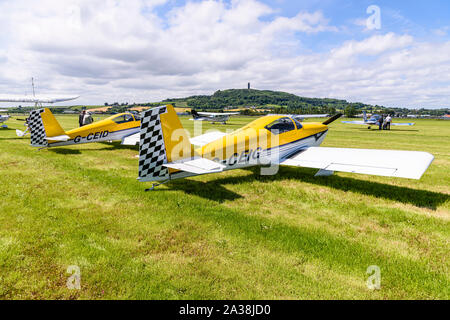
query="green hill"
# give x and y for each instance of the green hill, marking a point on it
(284, 101)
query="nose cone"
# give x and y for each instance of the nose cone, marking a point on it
(315, 126)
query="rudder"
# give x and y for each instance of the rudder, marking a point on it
(162, 140)
(42, 124)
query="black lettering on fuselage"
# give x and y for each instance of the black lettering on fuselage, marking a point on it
(242, 158)
(92, 136)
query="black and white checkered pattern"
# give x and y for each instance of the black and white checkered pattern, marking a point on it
(152, 150)
(37, 129)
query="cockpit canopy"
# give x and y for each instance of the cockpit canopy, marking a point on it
(126, 117)
(283, 125)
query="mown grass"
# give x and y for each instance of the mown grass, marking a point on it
(236, 235)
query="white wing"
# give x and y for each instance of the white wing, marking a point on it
(37, 99)
(401, 124)
(390, 163)
(355, 122)
(207, 138)
(200, 141)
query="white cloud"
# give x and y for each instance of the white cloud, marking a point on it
(372, 46)
(123, 51)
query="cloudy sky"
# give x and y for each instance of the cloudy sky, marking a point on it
(148, 50)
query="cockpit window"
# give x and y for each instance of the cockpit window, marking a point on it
(281, 125)
(297, 123)
(137, 117)
(123, 118)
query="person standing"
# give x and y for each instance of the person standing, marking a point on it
(388, 122)
(87, 118)
(380, 122)
(81, 118)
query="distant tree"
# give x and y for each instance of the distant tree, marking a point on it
(350, 111)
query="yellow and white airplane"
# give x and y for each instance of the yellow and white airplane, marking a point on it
(166, 152)
(46, 132)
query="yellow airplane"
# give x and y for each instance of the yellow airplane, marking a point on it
(46, 132)
(166, 152)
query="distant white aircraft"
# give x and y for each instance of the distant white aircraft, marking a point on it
(375, 120)
(37, 100)
(212, 116)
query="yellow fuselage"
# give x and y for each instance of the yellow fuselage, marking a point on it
(255, 136)
(256, 144)
(112, 128)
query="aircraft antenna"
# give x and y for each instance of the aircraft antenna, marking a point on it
(36, 104)
(32, 85)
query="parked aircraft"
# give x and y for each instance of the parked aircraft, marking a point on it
(3, 118)
(46, 132)
(166, 153)
(212, 116)
(374, 120)
(37, 100)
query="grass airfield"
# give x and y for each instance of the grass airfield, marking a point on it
(233, 235)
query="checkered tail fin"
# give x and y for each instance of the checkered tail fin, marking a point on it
(162, 140)
(42, 124)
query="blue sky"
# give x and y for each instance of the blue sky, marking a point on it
(146, 50)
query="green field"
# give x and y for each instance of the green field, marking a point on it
(234, 235)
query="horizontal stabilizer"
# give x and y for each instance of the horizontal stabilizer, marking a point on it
(58, 138)
(196, 166)
(389, 163)
(131, 140)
